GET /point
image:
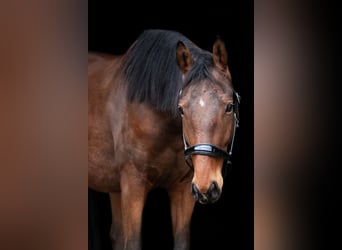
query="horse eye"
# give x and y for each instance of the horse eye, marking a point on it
(180, 110)
(229, 107)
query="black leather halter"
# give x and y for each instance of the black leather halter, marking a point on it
(212, 150)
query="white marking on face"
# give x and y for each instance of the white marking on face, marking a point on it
(201, 102)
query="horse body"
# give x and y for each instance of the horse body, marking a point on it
(136, 141)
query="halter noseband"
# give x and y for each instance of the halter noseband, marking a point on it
(212, 150)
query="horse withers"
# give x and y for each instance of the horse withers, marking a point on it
(162, 115)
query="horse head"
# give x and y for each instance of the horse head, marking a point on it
(208, 106)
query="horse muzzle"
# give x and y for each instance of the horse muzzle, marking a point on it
(211, 196)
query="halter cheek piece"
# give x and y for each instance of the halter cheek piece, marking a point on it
(212, 150)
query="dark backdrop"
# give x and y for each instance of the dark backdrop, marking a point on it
(229, 223)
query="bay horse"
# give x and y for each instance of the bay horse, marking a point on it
(161, 115)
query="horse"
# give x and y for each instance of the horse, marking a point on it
(161, 115)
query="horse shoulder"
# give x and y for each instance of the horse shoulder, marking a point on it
(102, 173)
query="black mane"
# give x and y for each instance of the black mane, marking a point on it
(152, 72)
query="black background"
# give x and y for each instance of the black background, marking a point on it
(229, 223)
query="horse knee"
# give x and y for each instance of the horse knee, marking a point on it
(116, 238)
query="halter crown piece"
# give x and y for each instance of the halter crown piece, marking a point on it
(212, 150)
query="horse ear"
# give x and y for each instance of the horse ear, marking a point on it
(220, 54)
(184, 58)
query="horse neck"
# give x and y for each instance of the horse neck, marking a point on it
(150, 120)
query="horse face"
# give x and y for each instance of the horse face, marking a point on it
(207, 111)
(208, 118)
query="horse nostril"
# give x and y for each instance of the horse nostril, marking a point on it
(213, 187)
(214, 192)
(194, 191)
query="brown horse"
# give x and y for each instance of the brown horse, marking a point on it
(161, 107)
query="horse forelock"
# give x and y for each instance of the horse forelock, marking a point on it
(151, 70)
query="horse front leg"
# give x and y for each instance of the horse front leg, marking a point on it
(133, 196)
(116, 232)
(182, 206)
